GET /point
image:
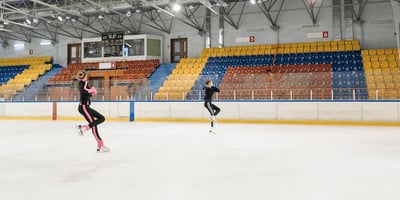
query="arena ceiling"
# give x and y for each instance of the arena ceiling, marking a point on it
(23, 20)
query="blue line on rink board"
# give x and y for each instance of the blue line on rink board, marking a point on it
(131, 111)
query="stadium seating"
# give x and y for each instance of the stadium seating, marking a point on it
(180, 81)
(338, 63)
(382, 73)
(126, 78)
(17, 73)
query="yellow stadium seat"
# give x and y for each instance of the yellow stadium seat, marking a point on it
(286, 50)
(320, 48)
(375, 64)
(374, 58)
(300, 50)
(372, 52)
(366, 58)
(382, 57)
(390, 57)
(380, 51)
(388, 51)
(313, 49)
(384, 64)
(333, 43)
(356, 47)
(368, 71)
(327, 48)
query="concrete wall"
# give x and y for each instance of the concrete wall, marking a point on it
(236, 111)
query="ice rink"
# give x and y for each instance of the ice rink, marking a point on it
(47, 160)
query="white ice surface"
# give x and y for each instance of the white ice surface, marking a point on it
(47, 160)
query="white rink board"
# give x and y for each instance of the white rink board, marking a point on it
(326, 111)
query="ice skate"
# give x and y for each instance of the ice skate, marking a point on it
(81, 129)
(103, 149)
(212, 130)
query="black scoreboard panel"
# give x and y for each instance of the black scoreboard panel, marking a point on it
(112, 39)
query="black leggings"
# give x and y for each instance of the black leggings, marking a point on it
(94, 118)
(213, 109)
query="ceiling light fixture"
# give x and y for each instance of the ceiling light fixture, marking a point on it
(28, 21)
(176, 7)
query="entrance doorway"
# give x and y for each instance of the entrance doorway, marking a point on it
(74, 53)
(178, 49)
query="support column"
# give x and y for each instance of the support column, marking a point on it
(208, 28)
(221, 27)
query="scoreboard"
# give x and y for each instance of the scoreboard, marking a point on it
(112, 39)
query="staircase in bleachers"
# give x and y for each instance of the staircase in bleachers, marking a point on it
(181, 80)
(35, 91)
(160, 75)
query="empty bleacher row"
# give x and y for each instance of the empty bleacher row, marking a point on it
(288, 48)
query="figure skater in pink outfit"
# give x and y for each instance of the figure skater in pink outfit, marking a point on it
(92, 116)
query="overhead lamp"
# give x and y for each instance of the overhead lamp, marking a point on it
(176, 7)
(128, 13)
(19, 45)
(43, 43)
(59, 18)
(100, 16)
(253, 1)
(28, 21)
(35, 20)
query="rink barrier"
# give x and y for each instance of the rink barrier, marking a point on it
(374, 113)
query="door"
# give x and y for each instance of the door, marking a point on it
(178, 49)
(74, 53)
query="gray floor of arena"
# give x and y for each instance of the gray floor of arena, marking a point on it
(47, 160)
